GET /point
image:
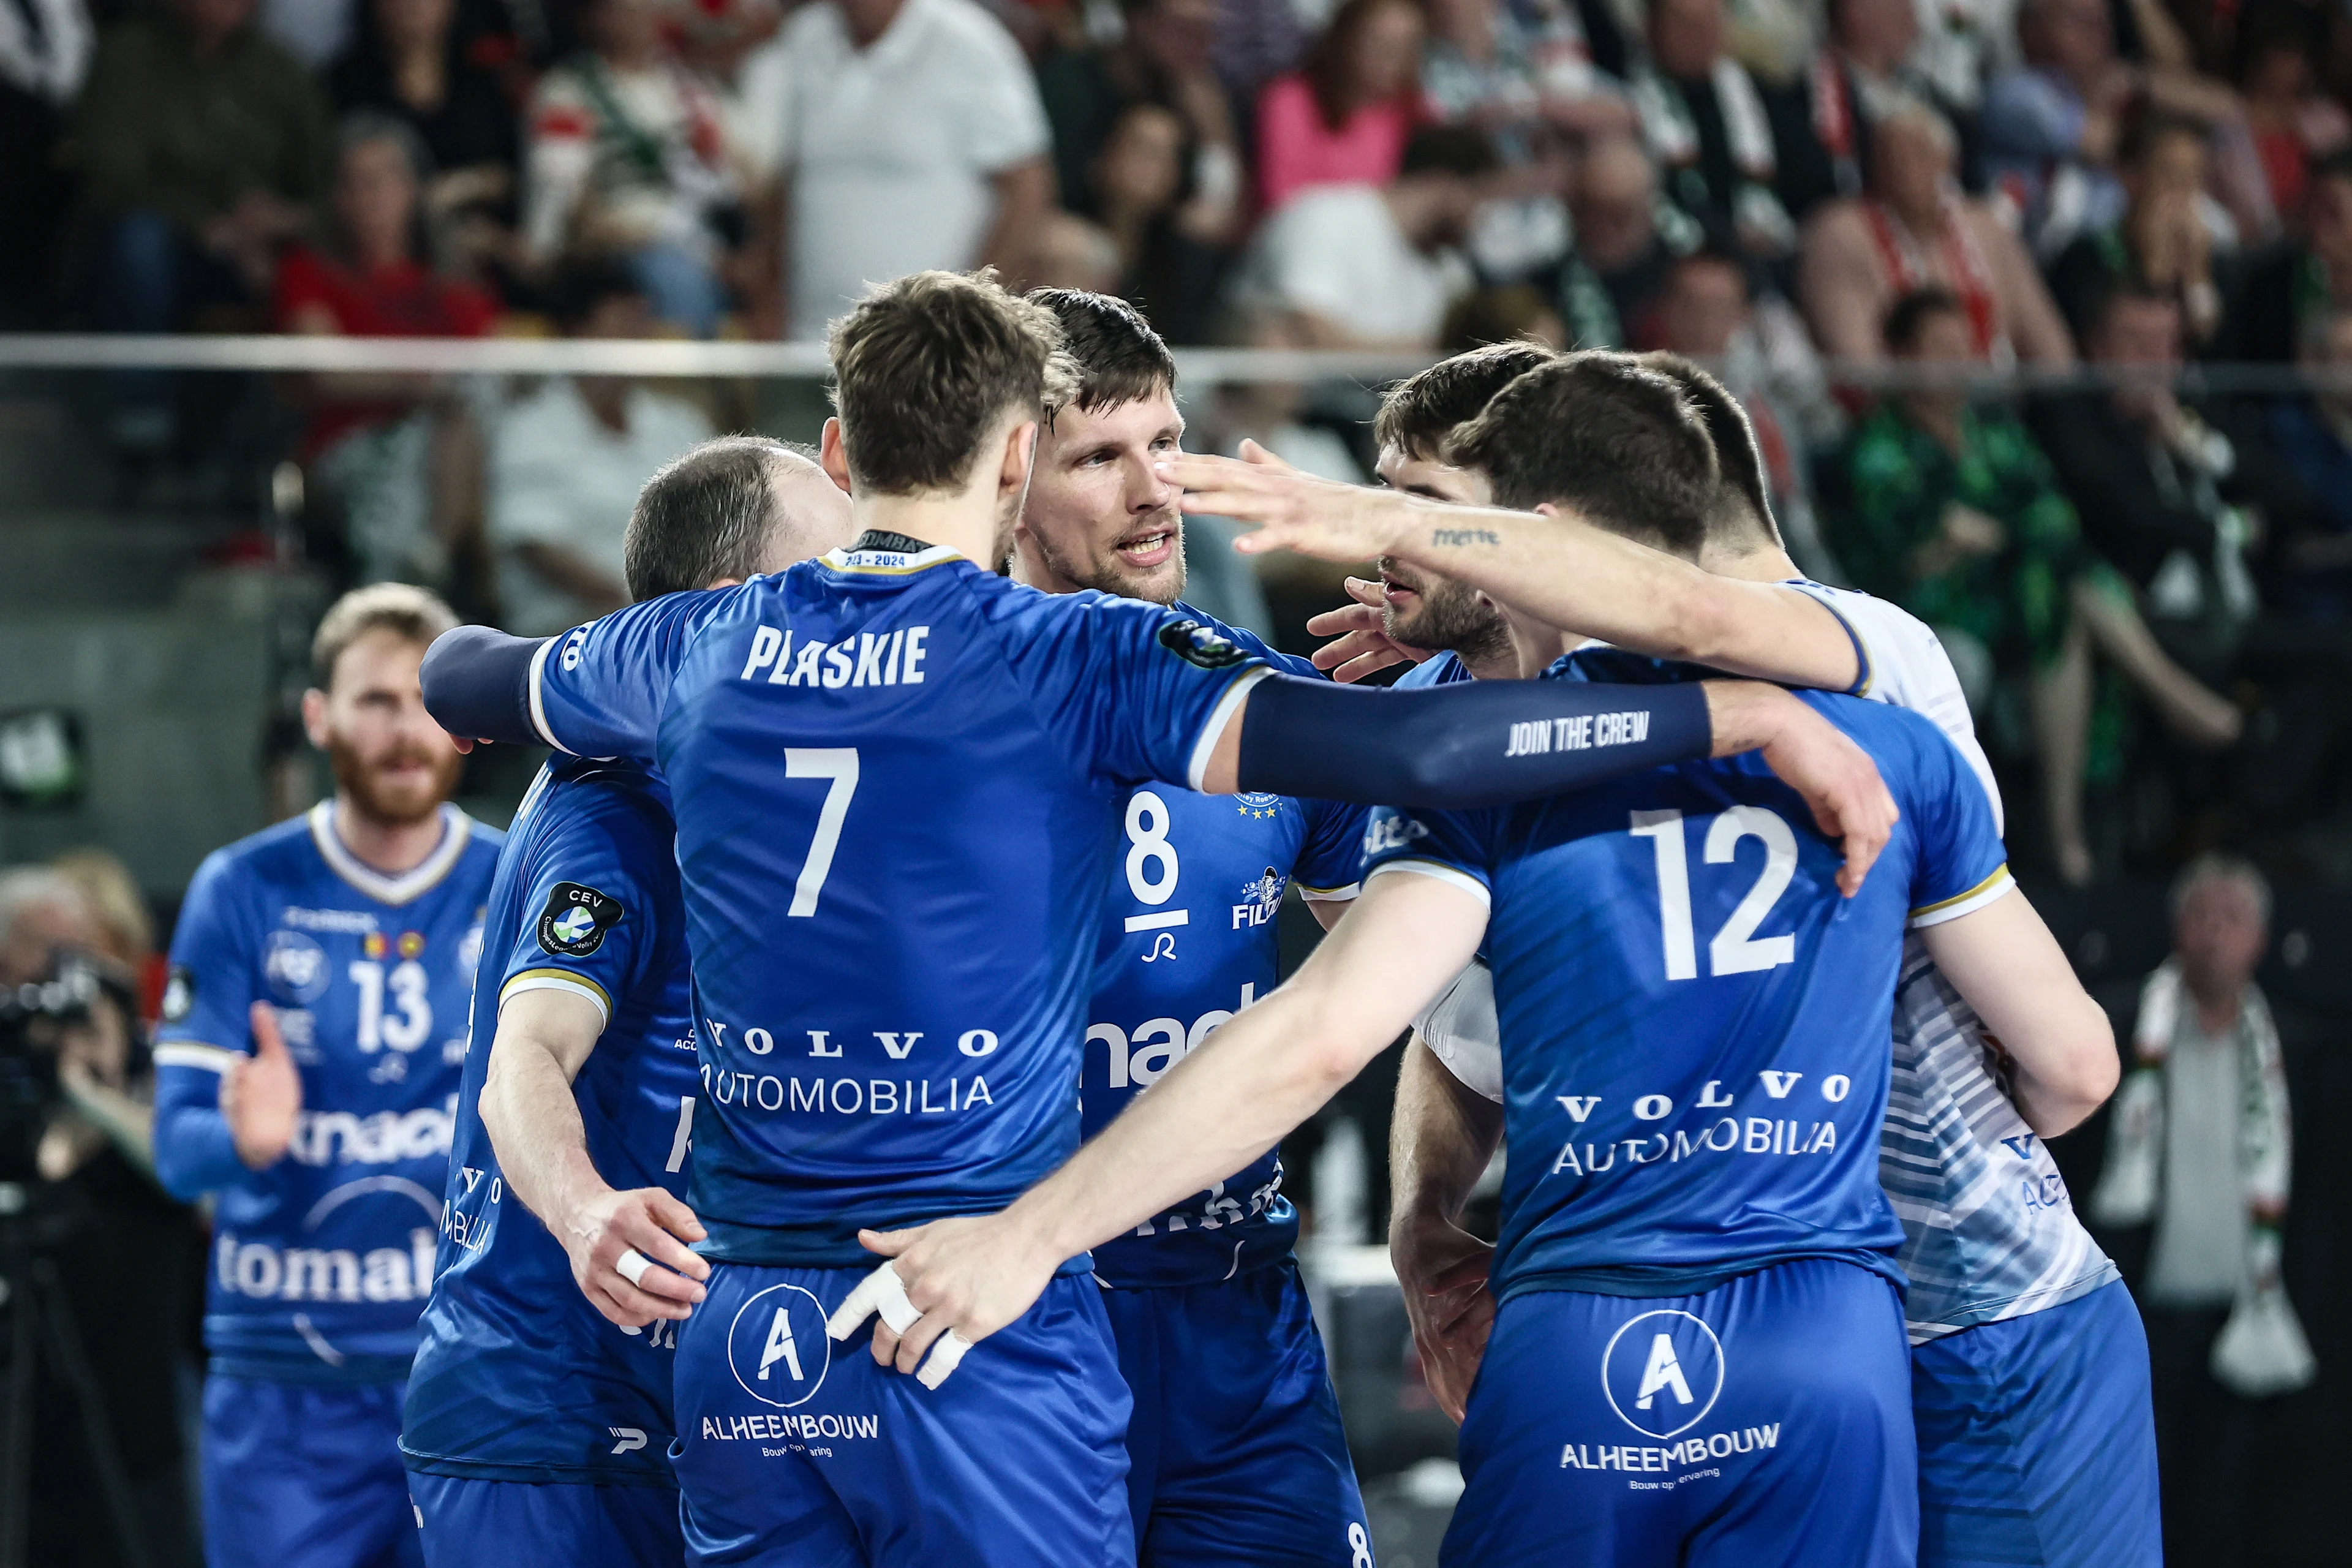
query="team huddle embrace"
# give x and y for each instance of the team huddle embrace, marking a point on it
(719, 1117)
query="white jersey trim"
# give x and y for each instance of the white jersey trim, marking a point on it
(556, 980)
(1452, 875)
(456, 832)
(1997, 886)
(538, 702)
(1197, 770)
(203, 1058)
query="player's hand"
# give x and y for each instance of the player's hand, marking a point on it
(261, 1095)
(1840, 782)
(1319, 518)
(948, 1286)
(1362, 647)
(1443, 1269)
(630, 1258)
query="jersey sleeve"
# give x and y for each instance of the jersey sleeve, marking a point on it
(1145, 690)
(1331, 861)
(590, 926)
(1462, 1032)
(214, 981)
(598, 691)
(1454, 847)
(1961, 865)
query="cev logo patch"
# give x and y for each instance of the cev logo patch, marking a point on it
(777, 1346)
(1662, 1373)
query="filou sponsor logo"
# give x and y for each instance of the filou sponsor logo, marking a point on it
(264, 1272)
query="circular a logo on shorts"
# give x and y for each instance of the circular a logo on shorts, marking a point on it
(1662, 1373)
(295, 966)
(777, 1346)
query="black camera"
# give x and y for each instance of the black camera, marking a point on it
(33, 1018)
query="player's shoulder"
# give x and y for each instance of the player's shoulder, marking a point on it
(1248, 641)
(590, 803)
(1915, 755)
(283, 855)
(1443, 670)
(1901, 653)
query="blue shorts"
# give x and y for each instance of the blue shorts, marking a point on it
(1236, 1449)
(301, 1475)
(2037, 1441)
(794, 1452)
(471, 1523)
(1764, 1424)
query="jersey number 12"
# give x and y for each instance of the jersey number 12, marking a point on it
(1736, 948)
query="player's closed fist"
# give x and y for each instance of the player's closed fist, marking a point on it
(261, 1096)
(630, 1255)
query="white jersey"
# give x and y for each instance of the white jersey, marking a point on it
(1988, 1229)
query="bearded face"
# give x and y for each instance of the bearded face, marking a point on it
(1096, 515)
(393, 764)
(1424, 610)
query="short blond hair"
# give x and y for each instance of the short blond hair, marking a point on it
(401, 608)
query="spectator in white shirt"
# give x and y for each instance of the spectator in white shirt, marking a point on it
(907, 134)
(1375, 265)
(567, 462)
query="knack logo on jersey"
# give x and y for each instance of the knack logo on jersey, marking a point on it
(1663, 1371)
(295, 965)
(778, 1348)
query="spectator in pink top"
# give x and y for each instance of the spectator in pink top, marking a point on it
(1342, 118)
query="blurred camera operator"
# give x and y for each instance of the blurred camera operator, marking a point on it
(125, 1254)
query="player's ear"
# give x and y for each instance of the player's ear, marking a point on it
(1020, 455)
(314, 717)
(833, 456)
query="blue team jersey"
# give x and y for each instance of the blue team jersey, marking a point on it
(1444, 669)
(1189, 938)
(1693, 1021)
(321, 1263)
(518, 1377)
(898, 781)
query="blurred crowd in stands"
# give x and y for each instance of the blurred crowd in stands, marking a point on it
(1779, 187)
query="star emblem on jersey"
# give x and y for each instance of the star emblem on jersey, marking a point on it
(576, 918)
(1196, 644)
(1663, 1371)
(1257, 805)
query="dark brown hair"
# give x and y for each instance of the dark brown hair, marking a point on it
(925, 365)
(1331, 66)
(704, 516)
(1420, 412)
(1120, 359)
(1605, 435)
(1744, 514)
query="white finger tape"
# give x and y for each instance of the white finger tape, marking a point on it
(880, 1291)
(945, 1357)
(633, 1264)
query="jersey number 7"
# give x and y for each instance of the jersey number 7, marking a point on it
(838, 763)
(1736, 948)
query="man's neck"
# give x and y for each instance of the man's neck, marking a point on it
(391, 848)
(1765, 564)
(1502, 664)
(965, 523)
(2217, 1009)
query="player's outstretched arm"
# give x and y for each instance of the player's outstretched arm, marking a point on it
(2008, 966)
(1492, 741)
(476, 683)
(1253, 1080)
(628, 1249)
(1440, 1140)
(1556, 568)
